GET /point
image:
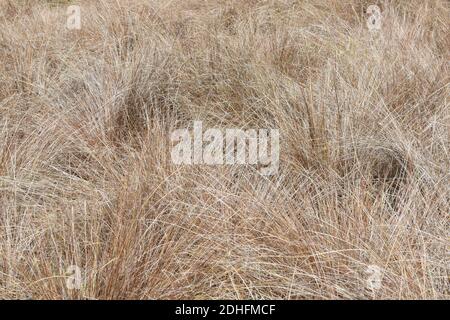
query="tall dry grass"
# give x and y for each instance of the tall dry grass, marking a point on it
(86, 177)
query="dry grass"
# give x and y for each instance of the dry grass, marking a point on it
(85, 171)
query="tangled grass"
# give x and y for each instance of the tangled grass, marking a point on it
(86, 177)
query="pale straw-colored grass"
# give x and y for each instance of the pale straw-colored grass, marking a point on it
(86, 177)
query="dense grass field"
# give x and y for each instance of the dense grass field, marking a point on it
(93, 207)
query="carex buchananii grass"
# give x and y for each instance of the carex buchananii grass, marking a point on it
(86, 177)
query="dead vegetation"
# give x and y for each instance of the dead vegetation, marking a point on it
(86, 177)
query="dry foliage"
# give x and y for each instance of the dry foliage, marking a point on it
(85, 171)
